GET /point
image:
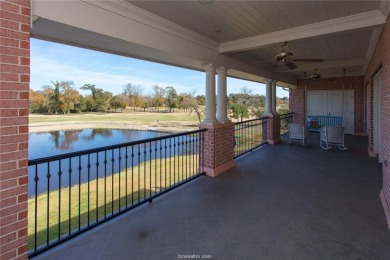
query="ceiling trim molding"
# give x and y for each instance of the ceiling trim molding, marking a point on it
(137, 14)
(385, 7)
(326, 65)
(347, 23)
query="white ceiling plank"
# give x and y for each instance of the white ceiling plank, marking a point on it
(343, 8)
(240, 17)
(355, 7)
(367, 5)
(314, 11)
(257, 20)
(331, 9)
(368, 19)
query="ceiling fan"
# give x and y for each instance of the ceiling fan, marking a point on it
(287, 59)
(315, 76)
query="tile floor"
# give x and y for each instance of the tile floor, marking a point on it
(279, 202)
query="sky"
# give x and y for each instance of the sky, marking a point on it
(57, 62)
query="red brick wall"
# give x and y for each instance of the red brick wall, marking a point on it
(218, 148)
(297, 97)
(381, 58)
(273, 129)
(14, 94)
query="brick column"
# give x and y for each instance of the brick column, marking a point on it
(218, 148)
(14, 94)
(273, 129)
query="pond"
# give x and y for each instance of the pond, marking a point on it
(66, 141)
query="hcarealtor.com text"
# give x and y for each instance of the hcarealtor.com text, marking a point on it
(194, 256)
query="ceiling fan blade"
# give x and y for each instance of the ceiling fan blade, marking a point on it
(309, 60)
(290, 65)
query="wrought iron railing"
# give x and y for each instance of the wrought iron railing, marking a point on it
(285, 119)
(249, 135)
(75, 192)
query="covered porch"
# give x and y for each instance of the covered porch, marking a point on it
(279, 202)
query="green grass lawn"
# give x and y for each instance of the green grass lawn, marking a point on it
(129, 117)
(59, 212)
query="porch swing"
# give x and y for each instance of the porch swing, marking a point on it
(334, 135)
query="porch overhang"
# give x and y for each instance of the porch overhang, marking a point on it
(132, 34)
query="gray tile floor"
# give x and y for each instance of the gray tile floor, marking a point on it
(279, 202)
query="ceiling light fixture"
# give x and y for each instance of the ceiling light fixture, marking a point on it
(315, 76)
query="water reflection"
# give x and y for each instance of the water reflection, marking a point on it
(100, 132)
(66, 141)
(63, 139)
(80, 169)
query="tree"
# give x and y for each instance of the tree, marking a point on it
(69, 96)
(92, 88)
(37, 101)
(194, 104)
(201, 100)
(158, 96)
(103, 100)
(55, 103)
(171, 99)
(147, 102)
(258, 112)
(258, 108)
(239, 111)
(182, 101)
(90, 103)
(81, 105)
(119, 101)
(245, 96)
(134, 93)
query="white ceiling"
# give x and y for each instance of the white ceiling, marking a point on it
(343, 33)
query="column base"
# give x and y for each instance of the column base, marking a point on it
(273, 141)
(208, 123)
(219, 170)
(371, 153)
(224, 121)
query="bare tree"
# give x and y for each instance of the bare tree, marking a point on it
(134, 93)
(194, 105)
(158, 96)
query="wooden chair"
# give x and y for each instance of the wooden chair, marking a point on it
(298, 133)
(332, 135)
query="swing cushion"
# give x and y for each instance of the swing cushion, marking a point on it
(316, 122)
